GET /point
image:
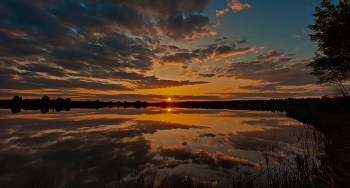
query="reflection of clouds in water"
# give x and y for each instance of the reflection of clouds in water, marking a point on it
(201, 156)
(89, 158)
(187, 137)
(273, 139)
(98, 149)
(86, 148)
(28, 128)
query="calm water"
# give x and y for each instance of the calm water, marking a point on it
(96, 148)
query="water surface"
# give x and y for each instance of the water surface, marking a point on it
(109, 146)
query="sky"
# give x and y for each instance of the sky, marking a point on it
(116, 50)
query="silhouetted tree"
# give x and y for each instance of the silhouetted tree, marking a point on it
(59, 99)
(45, 98)
(332, 32)
(17, 98)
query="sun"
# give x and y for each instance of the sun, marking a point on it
(169, 99)
(169, 109)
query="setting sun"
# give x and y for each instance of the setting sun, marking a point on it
(169, 99)
(169, 109)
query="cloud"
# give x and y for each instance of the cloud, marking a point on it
(141, 81)
(82, 44)
(242, 41)
(17, 80)
(273, 71)
(79, 65)
(181, 58)
(43, 68)
(235, 6)
(154, 84)
(226, 51)
(270, 54)
(222, 40)
(296, 36)
(201, 75)
(185, 28)
(210, 52)
(164, 48)
(261, 87)
(161, 8)
(104, 79)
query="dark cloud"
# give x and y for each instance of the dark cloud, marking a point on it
(225, 51)
(79, 40)
(188, 28)
(280, 88)
(241, 41)
(268, 55)
(154, 84)
(43, 68)
(164, 48)
(209, 52)
(35, 81)
(181, 58)
(142, 81)
(222, 40)
(201, 75)
(271, 68)
(126, 19)
(272, 71)
(261, 87)
(160, 8)
(283, 60)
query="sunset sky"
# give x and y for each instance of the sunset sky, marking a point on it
(157, 49)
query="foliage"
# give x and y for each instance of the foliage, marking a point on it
(332, 32)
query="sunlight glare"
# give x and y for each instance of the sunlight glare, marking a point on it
(169, 109)
(169, 99)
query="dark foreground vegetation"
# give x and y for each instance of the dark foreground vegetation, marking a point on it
(331, 115)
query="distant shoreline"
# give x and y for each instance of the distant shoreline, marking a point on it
(59, 104)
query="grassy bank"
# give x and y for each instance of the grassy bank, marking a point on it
(331, 115)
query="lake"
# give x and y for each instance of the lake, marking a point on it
(110, 147)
